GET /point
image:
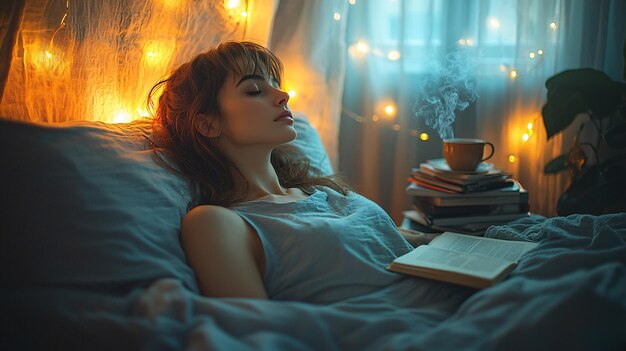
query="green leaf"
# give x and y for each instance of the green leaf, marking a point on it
(616, 136)
(556, 165)
(573, 92)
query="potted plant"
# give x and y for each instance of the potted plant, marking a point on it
(596, 182)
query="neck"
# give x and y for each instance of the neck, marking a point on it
(256, 168)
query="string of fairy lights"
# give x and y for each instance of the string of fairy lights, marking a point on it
(361, 49)
(386, 110)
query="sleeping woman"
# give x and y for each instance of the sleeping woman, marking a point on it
(260, 225)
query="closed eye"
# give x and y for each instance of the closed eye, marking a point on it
(254, 93)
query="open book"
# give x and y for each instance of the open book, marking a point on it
(462, 259)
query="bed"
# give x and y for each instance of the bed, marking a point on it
(90, 260)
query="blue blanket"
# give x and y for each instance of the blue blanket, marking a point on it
(568, 293)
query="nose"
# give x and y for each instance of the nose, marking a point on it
(282, 97)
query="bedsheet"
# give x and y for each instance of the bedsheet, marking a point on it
(567, 293)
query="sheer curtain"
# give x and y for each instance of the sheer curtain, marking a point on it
(98, 59)
(509, 49)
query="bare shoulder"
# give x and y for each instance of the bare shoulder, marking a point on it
(215, 225)
(216, 214)
(224, 252)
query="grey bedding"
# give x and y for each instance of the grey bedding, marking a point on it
(568, 293)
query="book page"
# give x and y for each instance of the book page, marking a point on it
(507, 250)
(426, 256)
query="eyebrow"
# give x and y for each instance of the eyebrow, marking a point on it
(255, 77)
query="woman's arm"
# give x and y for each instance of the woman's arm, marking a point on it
(416, 238)
(224, 252)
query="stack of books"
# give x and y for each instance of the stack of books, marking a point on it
(463, 202)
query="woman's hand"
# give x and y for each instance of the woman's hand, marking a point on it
(417, 238)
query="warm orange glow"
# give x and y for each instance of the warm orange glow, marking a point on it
(424, 136)
(143, 113)
(393, 55)
(292, 93)
(395, 127)
(363, 47)
(512, 158)
(375, 118)
(157, 54)
(530, 125)
(49, 61)
(525, 136)
(236, 8)
(170, 3)
(122, 116)
(231, 4)
(390, 110)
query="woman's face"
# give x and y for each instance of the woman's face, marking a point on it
(250, 106)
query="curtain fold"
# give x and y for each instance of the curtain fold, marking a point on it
(309, 37)
(10, 21)
(514, 47)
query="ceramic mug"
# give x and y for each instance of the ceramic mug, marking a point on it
(464, 155)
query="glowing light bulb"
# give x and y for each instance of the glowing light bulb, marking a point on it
(291, 93)
(390, 110)
(244, 14)
(143, 113)
(362, 47)
(553, 25)
(395, 127)
(48, 54)
(375, 118)
(393, 55)
(462, 41)
(531, 54)
(336, 16)
(352, 2)
(424, 136)
(512, 158)
(530, 125)
(513, 74)
(540, 52)
(525, 136)
(231, 4)
(494, 23)
(121, 116)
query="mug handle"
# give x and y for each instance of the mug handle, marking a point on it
(493, 149)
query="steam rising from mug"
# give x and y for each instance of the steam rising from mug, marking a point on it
(445, 88)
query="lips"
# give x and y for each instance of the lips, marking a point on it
(284, 114)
